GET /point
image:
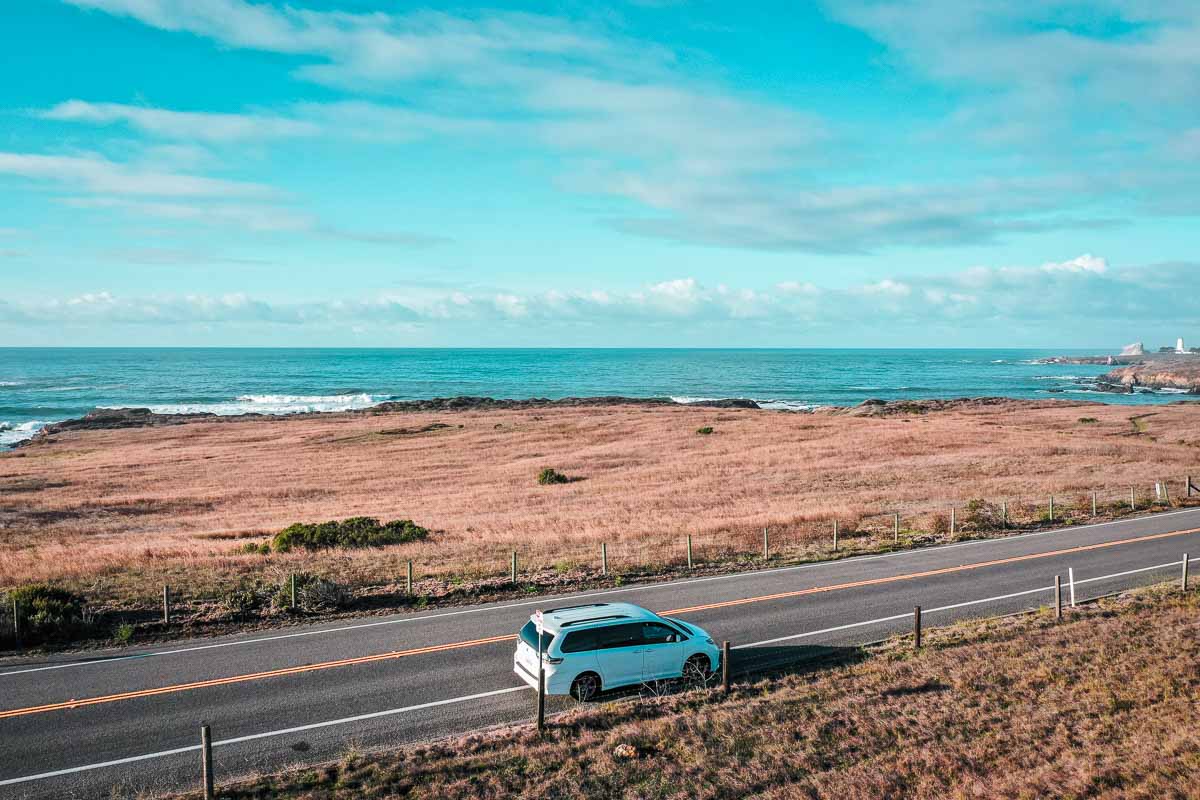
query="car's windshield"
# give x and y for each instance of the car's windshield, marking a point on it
(530, 637)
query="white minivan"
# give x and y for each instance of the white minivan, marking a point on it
(590, 648)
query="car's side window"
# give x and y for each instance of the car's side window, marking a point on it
(626, 635)
(654, 633)
(579, 641)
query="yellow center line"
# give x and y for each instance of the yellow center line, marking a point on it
(183, 687)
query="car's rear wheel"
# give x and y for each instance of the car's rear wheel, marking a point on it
(696, 670)
(585, 686)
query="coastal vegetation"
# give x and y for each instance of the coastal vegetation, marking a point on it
(202, 506)
(705, 431)
(1100, 705)
(355, 532)
(549, 476)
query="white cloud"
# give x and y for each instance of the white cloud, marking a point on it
(1084, 263)
(98, 174)
(191, 125)
(981, 296)
(720, 166)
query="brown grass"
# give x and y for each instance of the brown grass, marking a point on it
(1101, 706)
(116, 512)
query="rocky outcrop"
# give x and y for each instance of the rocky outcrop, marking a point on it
(468, 403)
(1179, 374)
(895, 408)
(115, 418)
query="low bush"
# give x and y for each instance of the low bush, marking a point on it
(48, 613)
(550, 476)
(705, 431)
(243, 600)
(356, 532)
(980, 515)
(313, 593)
(1088, 420)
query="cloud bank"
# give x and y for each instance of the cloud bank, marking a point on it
(1080, 288)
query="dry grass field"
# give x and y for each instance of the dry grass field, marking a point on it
(121, 510)
(1102, 705)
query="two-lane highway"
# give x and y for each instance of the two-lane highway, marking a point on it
(80, 725)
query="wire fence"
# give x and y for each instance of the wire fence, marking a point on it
(264, 586)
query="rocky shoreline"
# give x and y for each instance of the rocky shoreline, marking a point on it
(120, 418)
(125, 418)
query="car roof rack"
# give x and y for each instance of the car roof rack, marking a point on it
(572, 608)
(593, 619)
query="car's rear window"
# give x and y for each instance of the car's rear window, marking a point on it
(530, 637)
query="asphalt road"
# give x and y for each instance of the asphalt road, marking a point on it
(65, 720)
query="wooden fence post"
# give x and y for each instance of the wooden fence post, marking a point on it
(689, 550)
(1071, 580)
(1183, 582)
(1052, 508)
(766, 544)
(604, 558)
(896, 528)
(835, 535)
(1133, 498)
(917, 627)
(1003, 515)
(206, 763)
(166, 604)
(292, 591)
(1190, 486)
(1058, 596)
(16, 606)
(953, 521)
(725, 667)
(1093, 504)
(408, 579)
(514, 566)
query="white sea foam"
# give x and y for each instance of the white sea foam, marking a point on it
(12, 383)
(774, 405)
(272, 404)
(11, 434)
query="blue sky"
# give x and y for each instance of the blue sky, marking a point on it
(352, 172)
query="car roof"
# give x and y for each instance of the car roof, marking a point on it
(583, 615)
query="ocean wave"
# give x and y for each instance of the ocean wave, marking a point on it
(12, 383)
(273, 404)
(788, 405)
(11, 434)
(1061, 377)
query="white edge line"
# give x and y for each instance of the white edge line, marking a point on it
(639, 588)
(952, 606)
(265, 735)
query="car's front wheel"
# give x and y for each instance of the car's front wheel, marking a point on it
(696, 671)
(585, 686)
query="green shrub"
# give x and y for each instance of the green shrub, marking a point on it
(1088, 420)
(123, 633)
(47, 612)
(550, 476)
(705, 431)
(255, 548)
(243, 600)
(355, 532)
(313, 593)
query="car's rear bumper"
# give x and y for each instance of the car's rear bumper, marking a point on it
(555, 683)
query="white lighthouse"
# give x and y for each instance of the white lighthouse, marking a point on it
(1179, 348)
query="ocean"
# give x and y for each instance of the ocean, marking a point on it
(39, 386)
